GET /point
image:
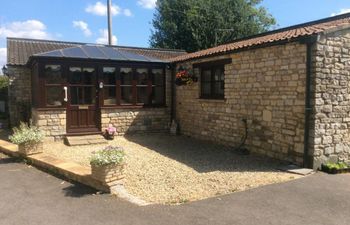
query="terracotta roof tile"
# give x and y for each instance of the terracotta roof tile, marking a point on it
(20, 49)
(285, 34)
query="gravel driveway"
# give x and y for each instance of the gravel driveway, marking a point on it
(176, 169)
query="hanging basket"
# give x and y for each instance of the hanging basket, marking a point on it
(183, 77)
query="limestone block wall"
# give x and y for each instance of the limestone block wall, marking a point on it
(19, 93)
(137, 120)
(51, 122)
(331, 75)
(265, 86)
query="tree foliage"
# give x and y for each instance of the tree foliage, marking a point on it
(199, 24)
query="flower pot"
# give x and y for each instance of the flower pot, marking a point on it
(108, 173)
(30, 148)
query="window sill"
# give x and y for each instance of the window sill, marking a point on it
(133, 107)
(218, 100)
(51, 108)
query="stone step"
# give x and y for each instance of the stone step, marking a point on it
(85, 140)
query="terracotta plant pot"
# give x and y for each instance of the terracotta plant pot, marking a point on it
(108, 173)
(30, 148)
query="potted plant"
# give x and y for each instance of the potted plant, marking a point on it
(110, 132)
(107, 165)
(28, 138)
(183, 77)
(335, 168)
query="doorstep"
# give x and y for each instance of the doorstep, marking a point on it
(69, 170)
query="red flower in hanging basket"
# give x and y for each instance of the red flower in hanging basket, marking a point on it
(183, 77)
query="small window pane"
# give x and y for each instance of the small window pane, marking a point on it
(126, 76)
(158, 96)
(142, 95)
(206, 87)
(82, 76)
(142, 76)
(109, 96)
(206, 76)
(54, 96)
(109, 75)
(219, 88)
(158, 77)
(126, 95)
(89, 76)
(53, 74)
(219, 74)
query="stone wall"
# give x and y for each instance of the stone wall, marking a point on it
(51, 122)
(331, 76)
(265, 86)
(19, 93)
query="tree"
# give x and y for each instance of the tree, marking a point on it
(193, 25)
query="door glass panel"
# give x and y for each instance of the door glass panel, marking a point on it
(142, 76)
(54, 96)
(126, 95)
(75, 76)
(82, 95)
(109, 75)
(53, 74)
(126, 76)
(89, 76)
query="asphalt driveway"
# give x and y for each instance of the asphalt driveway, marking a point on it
(30, 196)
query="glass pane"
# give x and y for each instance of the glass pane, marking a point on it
(205, 88)
(142, 76)
(53, 74)
(126, 76)
(126, 95)
(82, 76)
(219, 74)
(158, 96)
(82, 95)
(206, 76)
(54, 96)
(142, 95)
(158, 76)
(75, 52)
(219, 88)
(89, 76)
(109, 96)
(109, 75)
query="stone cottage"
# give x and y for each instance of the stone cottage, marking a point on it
(287, 90)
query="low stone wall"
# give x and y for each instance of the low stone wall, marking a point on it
(52, 122)
(265, 86)
(331, 93)
(136, 120)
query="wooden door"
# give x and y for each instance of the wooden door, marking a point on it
(83, 114)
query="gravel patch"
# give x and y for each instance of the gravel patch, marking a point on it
(176, 169)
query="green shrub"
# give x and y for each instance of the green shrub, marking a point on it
(4, 82)
(337, 166)
(110, 155)
(26, 134)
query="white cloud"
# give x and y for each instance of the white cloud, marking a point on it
(127, 12)
(342, 11)
(25, 29)
(3, 58)
(103, 39)
(100, 9)
(147, 4)
(83, 26)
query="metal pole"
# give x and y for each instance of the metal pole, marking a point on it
(109, 7)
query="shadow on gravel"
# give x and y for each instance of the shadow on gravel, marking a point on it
(77, 190)
(204, 156)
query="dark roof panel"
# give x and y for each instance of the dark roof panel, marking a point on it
(20, 49)
(98, 52)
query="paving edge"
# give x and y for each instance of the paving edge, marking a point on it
(69, 170)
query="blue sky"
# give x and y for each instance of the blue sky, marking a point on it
(85, 20)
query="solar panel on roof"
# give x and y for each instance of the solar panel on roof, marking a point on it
(76, 52)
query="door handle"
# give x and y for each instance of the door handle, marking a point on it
(65, 94)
